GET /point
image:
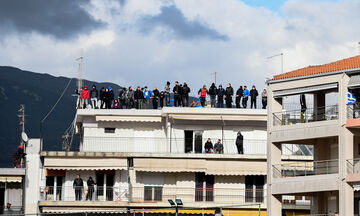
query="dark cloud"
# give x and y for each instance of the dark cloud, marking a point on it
(174, 20)
(62, 19)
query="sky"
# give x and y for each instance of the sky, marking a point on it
(149, 42)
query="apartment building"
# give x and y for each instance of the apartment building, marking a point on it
(330, 124)
(140, 159)
(11, 190)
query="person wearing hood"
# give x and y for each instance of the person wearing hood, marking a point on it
(155, 98)
(185, 95)
(239, 94)
(202, 95)
(245, 97)
(212, 93)
(107, 99)
(147, 95)
(85, 94)
(253, 95)
(229, 92)
(112, 96)
(94, 97)
(167, 93)
(239, 143)
(220, 96)
(139, 96)
(123, 100)
(130, 97)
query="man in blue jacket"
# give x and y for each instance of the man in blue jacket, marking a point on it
(245, 97)
(147, 95)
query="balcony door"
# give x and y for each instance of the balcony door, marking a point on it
(193, 141)
(204, 187)
(254, 189)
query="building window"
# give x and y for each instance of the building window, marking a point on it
(109, 130)
(254, 189)
(153, 193)
(204, 187)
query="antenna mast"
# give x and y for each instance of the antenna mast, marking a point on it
(214, 75)
(80, 60)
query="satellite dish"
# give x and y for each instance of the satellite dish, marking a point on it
(24, 137)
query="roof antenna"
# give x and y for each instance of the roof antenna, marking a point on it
(359, 47)
(282, 60)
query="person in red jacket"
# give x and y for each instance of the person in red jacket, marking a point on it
(202, 94)
(85, 94)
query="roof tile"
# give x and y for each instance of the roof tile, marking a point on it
(344, 64)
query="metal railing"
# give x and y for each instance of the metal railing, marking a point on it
(353, 165)
(97, 193)
(353, 111)
(306, 168)
(165, 145)
(189, 195)
(309, 115)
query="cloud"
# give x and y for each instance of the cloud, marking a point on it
(175, 23)
(58, 18)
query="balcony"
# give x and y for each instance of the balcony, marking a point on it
(291, 117)
(353, 115)
(353, 170)
(306, 168)
(167, 146)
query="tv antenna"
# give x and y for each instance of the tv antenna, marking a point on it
(21, 116)
(214, 75)
(282, 60)
(80, 61)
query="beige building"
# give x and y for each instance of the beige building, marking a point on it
(329, 124)
(140, 159)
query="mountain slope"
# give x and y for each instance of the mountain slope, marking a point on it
(38, 92)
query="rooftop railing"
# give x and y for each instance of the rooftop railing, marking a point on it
(165, 145)
(306, 168)
(305, 116)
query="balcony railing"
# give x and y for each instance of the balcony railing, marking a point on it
(353, 165)
(189, 195)
(164, 145)
(353, 111)
(309, 115)
(306, 168)
(97, 193)
(152, 194)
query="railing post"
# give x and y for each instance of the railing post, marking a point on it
(327, 167)
(259, 209)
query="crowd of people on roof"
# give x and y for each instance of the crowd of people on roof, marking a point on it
(178, 96)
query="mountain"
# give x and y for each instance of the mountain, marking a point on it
(38, 92)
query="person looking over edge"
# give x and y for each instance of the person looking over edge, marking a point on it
(245, 97)
(220, 97)
(202, 94)
(212, 93)
(147, 95)
(138, 96)
(229, 92)
(155, 98)
(85, 94)
(94, 97)
(264, 99)
(167, 94)
(78, 185)
(130, 98)
(239, 94)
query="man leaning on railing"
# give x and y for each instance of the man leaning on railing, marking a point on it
(78, 186)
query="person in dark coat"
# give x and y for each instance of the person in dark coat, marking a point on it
(78, 185)
(122, 98)
(130, 97)
(177, 94)
(185, 95)
(239, 94)
(138, 96)
(107, 98)
(208, 147)
(239, 143)
(94, 94)
(102, 98)
(253, 95)
(212, 93)
(155, 98)
(162, 98)
(219, 147)
(229, 92)
(220, 96)
(112, 96)
(91, 188)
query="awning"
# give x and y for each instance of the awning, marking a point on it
(196, 117)
(85, 163)
(82, 210)
(307, 89)
(136, 118)
(235, 167)
(166, 165)
(356, 187)
(354, 81)
(172, 211)
(10, 178)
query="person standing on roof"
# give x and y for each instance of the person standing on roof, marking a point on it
(220, 96)
(102, 98)
(85, 94)
(123, 98)
(112, 96)
(264, 99)
(212, 93)
(138, 96)
(94, 94)
(147, 95)
(229, 92)
(185, 95)
(155, 98)
(162, 98)
(202, 94)
(177, 94)
(107, 98)
(167, 93)
(245, 97)
(253, 95)
(130, 98)
(239, 94)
